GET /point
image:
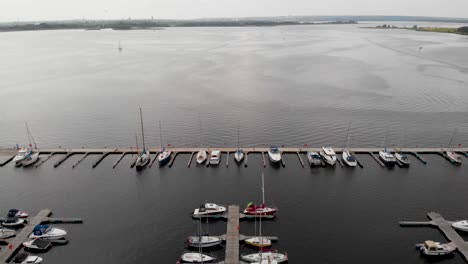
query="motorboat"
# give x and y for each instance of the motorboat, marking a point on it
(431, 248)
(461, 225)
(142, 159)
(203, 241)
(274, 155)
(260, 242)
(47, 232)
(328, 155)
(266, 261)
(215, 157)
(201, 156)
(24, 258)
(13, 222)
(30, 159)
(349, 158)
(266, 255)
(315, 160)
(39, 244)
(262, 209)
(454, 157)
(6, 233)
(21, 155)
(239, 155)
(387, 157)
(209, 209)
(164, 156)
(196, 257)
(402, 158)
(17, 213)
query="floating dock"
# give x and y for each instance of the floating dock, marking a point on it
(232, 235)
(446, 228)
(104, 152)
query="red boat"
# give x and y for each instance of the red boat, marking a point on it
(262, 209)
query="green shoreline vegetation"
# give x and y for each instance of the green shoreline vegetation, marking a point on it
(460, 30)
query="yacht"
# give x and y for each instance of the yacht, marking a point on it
(196, 257)
(203, 241)
(24, 258)
(402, 158)
(274, 155)
(266, 255)
(21, 155)
(13, 222)
(215, 157)
(164, 156)
(315, 160)
(461, 225)
(47, 232)
(38, 244)
(209, 209)
(201, 156)
(328, 155)
(349, 158)
(387, 157)
(431, 248)
(454, 157)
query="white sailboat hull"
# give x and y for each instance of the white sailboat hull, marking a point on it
(195, 257)
(348, 158)
(206, 241)
(257, 257)
(454, 157)
(30, 160)
(238, 156)
(201, 156)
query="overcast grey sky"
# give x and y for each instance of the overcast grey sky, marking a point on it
(12, 10)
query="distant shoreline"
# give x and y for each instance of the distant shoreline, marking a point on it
(451, 30)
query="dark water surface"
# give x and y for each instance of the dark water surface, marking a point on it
(286, 85)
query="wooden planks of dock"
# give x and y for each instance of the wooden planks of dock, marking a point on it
(15, 244)
(232, 235)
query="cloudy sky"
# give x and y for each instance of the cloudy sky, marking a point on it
(12, 10)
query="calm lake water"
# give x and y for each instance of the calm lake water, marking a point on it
(285, 86)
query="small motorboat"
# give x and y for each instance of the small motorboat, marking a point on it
(454, 157)
(164, 156)
(201, 156)
(387, 158)
(21, 155)
(142, 159)
(39, 244)
(13, 222)
(315, 160)
(6, 233)
(203, 241)
(215, 157)
(328, 155)
(209, 209)
(349, 158)
(239, 155)
(431, 248)
(30, 159)
(262, 209)
(274, 155)
(266, 255)
(24, 258)
(47, 232)
(461, 225)
(402, 158)
(17, 213)
(196, 257)
(260, 242)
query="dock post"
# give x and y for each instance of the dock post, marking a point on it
(154, 159)
(63, 159)
(118, 160)
(172, 161)
(101, 158)
(232, 235)
(339, 162)
(7, 161)
(263, 159)
(246, 159)
(358, 162)
(190, 160)
(418, 157)
(80, 160)
(300, 159)
(282, 161)
(227, 160)
(42, 161)
(376, 159)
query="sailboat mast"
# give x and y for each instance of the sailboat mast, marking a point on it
(136, 140)
(200, 129)
(142, 131)
(451, 139)
(29, 134)
(238, 132)
(263, 190)
(347, 135)
(160, 134)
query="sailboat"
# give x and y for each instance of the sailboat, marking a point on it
(26, 157)
(262, 209)
(239, 154)
(348, 158)
(198, 257)
(402, 157)
(205, 241)
(452, 155)
(202, 155)
(260, 257)
(258, 241)
(164, 155)
(385, 155)
(144, 156)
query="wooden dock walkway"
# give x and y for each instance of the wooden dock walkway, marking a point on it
(446, 228)
(232, 235)
(15, 244)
